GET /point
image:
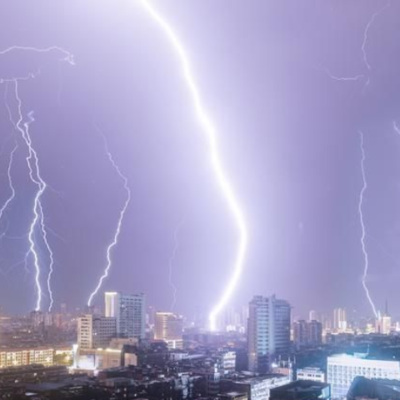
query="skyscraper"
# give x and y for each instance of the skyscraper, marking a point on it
(129, 312)
(307, 333)
(268, 332)
(169, 327)
(339, 320)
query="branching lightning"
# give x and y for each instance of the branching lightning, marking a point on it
(119, 223)
(363, 230)
(220, 174)
(32, 160)
(171, 264)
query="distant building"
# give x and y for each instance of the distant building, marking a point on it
(268, 332)
(343, 368)
(302, 390)
(384, 324)
(129, 312)
(23, 357)
(95, 331)
(307, 333)
(169, 328)
(339, 320)
(313, 316)
(310, 374)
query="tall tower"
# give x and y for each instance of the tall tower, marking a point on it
(129, 312)
(268, 332)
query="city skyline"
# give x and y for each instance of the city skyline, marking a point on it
(295, 164)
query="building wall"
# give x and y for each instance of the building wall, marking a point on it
(268, 331)
(342, 369)
(129, 311)
(21, 357)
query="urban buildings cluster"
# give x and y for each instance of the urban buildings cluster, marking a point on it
(128, 350)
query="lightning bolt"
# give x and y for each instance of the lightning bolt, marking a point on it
(119, 223)
(363, 51)
(363, 230)
(220, 175)
(10, 183)
(366, 32)
(343, 78)
(32, 160)
(171, 264)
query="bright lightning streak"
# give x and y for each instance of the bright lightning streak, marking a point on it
(363, 230)
(51, 255)
(34, 174)
(221, 177)
(119, 224)
(10, 182)
(34, 170)
(171, 264)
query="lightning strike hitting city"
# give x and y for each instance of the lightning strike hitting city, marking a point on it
(199, 199)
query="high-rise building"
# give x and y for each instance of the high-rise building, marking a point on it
(339, 320)
(268, 332)
(313, 316)
(300, 333)
(307, 333)
(343, 368)
(129, 312)
(169, 328)
(95, 331)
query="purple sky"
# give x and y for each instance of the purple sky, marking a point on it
(288, 134)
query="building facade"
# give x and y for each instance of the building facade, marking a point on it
(169, 328)
(21, 357)
(268, 332)
(311, 374)
(129, 312)
(343, 368)
(95, 331)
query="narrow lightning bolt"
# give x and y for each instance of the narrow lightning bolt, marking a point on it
(221, 177)
(363, 230)
(119, 223)
(32, 160)
(171, 265)
(366, 32)
(343, 78)
(10, 183)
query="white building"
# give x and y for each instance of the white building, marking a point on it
(258, 388)
(311, 374)
(339, 320)
(343, 368)
(129, 311)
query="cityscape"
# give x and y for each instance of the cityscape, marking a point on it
(199, 199)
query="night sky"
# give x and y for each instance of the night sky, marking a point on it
(288, 134)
